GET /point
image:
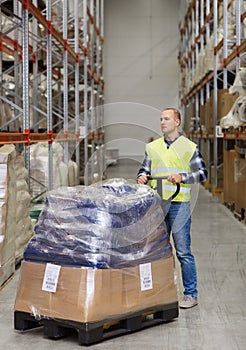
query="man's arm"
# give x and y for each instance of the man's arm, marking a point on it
(144, 171)
(198, 170)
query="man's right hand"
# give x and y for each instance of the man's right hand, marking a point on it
(142, 180)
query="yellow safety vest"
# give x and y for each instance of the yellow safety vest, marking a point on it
(172, 160)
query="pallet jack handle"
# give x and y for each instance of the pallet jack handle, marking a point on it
(159, 186)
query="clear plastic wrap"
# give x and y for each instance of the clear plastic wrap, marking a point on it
(113, 224)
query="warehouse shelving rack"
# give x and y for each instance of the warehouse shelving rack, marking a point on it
(199, 27)
(51, 55)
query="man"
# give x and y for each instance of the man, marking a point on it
(178, 158)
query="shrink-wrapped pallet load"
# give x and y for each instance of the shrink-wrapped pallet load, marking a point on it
(109, 247)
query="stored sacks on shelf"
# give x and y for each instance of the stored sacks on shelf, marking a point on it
(24, 228)
(39, 168)
(239, 84)
(72, 173)
(236, 116)
(209, 55)
(7, 212)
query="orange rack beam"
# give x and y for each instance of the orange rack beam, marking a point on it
(31, 137)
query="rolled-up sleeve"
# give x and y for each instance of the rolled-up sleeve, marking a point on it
(198, 171)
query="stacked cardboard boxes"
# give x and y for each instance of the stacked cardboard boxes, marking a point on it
(225, 102)
(240, 180)
(209, 115)
(24, 229)
(235, 179)
(229, 186)
(109, 252)
(7, 212)
(15, 222)
(89, 295)
(190, 114)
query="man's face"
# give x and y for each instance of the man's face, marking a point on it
(169, 123)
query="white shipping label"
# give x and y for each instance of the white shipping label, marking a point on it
(51, 276)
(145, 276)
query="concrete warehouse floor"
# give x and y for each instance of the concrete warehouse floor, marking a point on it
(219, 246)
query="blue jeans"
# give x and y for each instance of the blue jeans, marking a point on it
(178, 221)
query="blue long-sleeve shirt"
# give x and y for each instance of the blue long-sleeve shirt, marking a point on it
(197, 174)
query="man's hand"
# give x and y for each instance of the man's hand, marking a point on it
(175, 178)
(142, 180)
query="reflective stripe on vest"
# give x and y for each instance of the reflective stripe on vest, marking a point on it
(172, 188)
(160, 170)
(172, 160)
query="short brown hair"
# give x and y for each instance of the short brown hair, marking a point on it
(175, 111)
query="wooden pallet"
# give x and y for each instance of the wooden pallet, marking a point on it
(206, 185)
(230, 206)
(241, 128)
(93, 332)
(232, 130)
(217, 192)
(240, 215)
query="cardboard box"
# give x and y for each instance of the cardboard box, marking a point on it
(209, 111)
(202, 115)
(163, 291)
(209, 115)
(229, 186)
(225, 102)
(240, 182)
(190, 113)
(87, 295)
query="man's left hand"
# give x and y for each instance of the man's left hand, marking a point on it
(175, 178)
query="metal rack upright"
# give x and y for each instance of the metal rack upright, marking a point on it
(54, 52)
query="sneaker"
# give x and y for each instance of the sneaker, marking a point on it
(188, 302)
